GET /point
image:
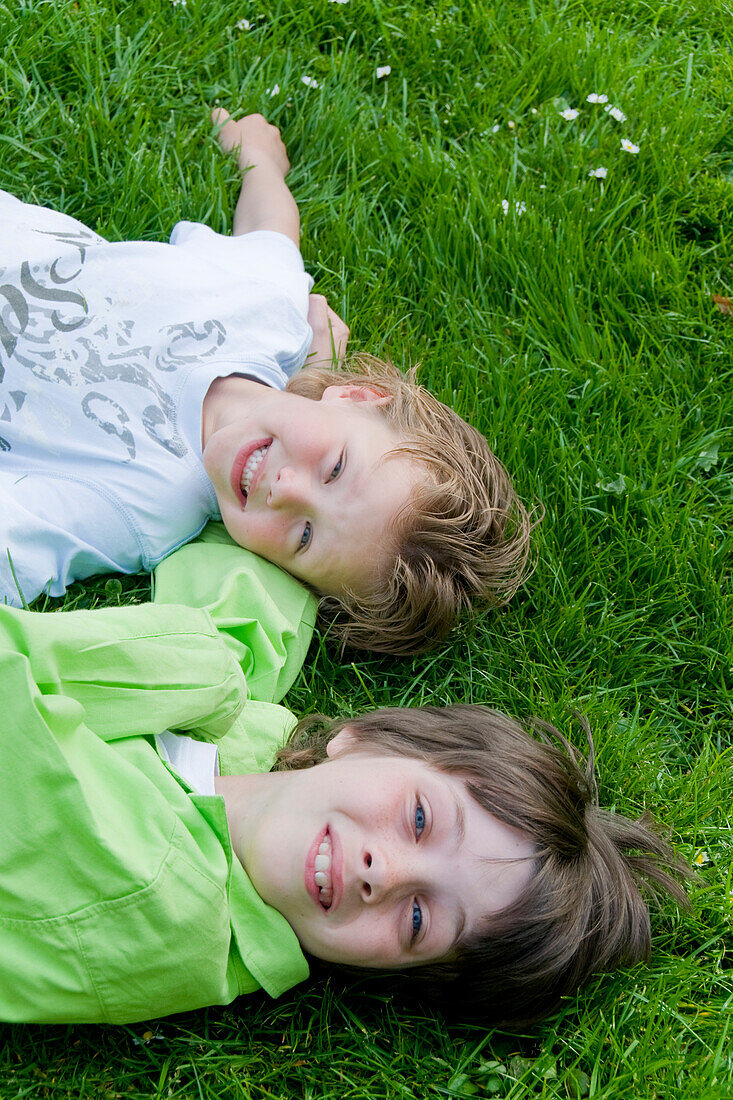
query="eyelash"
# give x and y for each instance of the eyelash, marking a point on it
(419, 823)
(416, 921)
(337, 469)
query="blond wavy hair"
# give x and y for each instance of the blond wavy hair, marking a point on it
(463, 537)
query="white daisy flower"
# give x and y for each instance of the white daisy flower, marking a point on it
(595, 97)
(495, 128)
(628, 146)
(383, 70)
(309, 81)
(570, 113)
(243, 25)
(617, 113)
(599, 173)
(273, 91)
(519, 207)
(338, 1)
(701, 858)
(511, 124)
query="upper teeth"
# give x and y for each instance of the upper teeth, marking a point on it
(322, 874)
(250, 467)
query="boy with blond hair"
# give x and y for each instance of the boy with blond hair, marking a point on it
(147, 388)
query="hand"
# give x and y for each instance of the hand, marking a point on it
(253, 139)
(265, 201)
(330, 334)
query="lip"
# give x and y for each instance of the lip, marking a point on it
(240, 461)
(337, 862)
(310, 867)
(337, 870)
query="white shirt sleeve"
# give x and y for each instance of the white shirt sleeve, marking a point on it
(258, 282)
(266, 256)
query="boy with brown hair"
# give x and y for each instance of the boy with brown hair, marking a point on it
(147, 871)
(149, 388)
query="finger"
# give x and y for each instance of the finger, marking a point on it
(337, 323)
(317, 310)
(339, 336)
(220, 116)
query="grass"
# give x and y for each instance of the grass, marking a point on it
(579, 335)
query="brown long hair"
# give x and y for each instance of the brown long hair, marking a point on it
(584, 909)
(463, 538)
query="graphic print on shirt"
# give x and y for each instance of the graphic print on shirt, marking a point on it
(47, 329)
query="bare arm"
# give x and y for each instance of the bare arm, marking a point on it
(265, 201)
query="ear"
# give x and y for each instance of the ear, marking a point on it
(344, 741)
(350, 391)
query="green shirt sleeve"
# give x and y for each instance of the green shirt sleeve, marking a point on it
(135, 670)
(264, 615)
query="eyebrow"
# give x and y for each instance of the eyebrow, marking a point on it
(460, 822)
(460, 831)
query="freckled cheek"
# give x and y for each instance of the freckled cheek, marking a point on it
(377, 938)
(383, 816)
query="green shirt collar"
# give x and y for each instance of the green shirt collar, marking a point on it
(266, 943)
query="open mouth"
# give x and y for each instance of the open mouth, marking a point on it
(248, 466)
(322, 872)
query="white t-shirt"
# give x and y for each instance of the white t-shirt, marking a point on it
(106, 353)
(196, 761)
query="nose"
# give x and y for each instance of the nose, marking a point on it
(289, 488)
(381, 874)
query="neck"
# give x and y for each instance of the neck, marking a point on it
(244, 798)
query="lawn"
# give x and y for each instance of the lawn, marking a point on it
(551, 264)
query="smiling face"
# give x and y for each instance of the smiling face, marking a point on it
(307, 484)
(374, 860)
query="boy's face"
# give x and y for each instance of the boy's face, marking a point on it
(407, 860)
(304, 483)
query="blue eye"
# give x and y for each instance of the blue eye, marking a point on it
(416, 919)
(305, 537)
(419, 820)
(336, 470)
